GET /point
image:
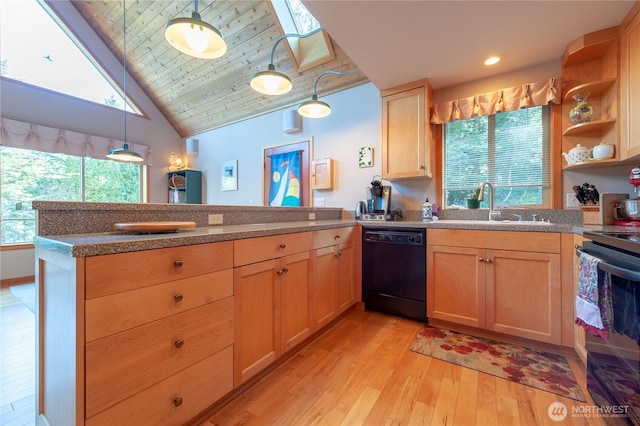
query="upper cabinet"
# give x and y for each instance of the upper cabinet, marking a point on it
(407, 141)
(590, 67)
(630, 84)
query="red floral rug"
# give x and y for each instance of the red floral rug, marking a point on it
(541, 370)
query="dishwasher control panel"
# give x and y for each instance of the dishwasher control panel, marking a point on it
(394, 237)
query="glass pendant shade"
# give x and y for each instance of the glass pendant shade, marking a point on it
(271, 82)
(124, 154)
(314, 108)
(195, 37)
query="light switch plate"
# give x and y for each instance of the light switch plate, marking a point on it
(215, 219)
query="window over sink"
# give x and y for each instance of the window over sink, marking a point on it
(509, 149)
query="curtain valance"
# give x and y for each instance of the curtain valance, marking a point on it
(511, 99)
(17, 134)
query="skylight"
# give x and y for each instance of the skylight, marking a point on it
(46, 55)
(304, 21)
(294, 18)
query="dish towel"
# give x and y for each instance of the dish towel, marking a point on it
(593, 304)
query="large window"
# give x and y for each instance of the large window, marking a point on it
(510, 150)
(27, 175)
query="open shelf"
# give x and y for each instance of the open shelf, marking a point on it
(595, 88)
(591, 128)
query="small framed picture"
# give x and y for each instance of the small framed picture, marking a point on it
(229, 176)
(365, 157)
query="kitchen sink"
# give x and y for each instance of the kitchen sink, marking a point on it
(496, 222)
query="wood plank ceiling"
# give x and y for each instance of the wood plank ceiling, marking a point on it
(197, 95)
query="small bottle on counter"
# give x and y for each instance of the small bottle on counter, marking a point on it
(427, 211)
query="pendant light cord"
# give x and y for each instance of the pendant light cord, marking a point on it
(124, 68)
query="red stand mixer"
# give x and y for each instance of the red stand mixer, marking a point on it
(627, 212)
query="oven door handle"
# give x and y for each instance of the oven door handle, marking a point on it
(624, 273)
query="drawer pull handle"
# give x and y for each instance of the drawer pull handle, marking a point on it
(177, 401)
(283, 245)
(481, 259)
(178, 297)
(337, 237)
(338, 254)
(178, 263)
(178, 343)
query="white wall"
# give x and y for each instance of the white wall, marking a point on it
(34, 105)
(17, 263)
(353, 123)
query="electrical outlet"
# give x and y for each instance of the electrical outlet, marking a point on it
(215, 219)
(312, 216)
(572, 201)
(318, 201)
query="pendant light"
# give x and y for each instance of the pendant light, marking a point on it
(195, 37)
(271, 82)
(124, 154)
(315, 108)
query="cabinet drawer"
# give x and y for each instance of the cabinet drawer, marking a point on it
(253, 250)
(122, 311)
(122, 365)
(194, 389)
(546, 242)
(120, 272)
(329, 237)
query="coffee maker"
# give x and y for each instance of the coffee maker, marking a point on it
(378, 200)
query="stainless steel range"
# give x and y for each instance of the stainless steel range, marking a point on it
(613, 364)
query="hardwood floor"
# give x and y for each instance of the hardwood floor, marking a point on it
(361, 372)
(17, 366)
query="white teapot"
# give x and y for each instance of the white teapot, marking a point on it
(579, 154)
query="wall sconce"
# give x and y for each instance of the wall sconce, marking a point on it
(315, 108)
(195, 37)
(124, 154)
(271, 82)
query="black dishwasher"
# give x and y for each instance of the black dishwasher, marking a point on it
(394, 271)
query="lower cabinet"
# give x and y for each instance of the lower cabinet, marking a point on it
(272, 311)
(508, 282)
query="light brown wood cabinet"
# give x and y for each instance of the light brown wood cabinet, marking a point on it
(124, 334)
(273, 299)
(630, 84)
(508, 282)
(407, 141)
(335, 273)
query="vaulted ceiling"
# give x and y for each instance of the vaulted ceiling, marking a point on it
(391, 41)
(197, 95)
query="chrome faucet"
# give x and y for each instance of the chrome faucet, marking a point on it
(492, 213)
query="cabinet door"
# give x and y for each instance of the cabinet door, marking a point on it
(630, 86)
(325, 307)
(257, 292)
(524, 295)
(344, 275)
(296, 322)
(405, 133)
(456, 285)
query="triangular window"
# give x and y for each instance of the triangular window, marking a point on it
(45, 53)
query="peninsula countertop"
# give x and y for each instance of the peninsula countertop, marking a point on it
(97, 244)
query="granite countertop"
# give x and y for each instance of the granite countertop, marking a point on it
(97, 244)
(474, 225)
